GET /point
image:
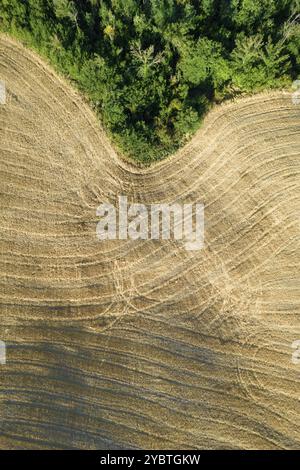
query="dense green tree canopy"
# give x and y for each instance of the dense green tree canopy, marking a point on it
(151, 68)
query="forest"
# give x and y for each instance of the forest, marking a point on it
(151, 69)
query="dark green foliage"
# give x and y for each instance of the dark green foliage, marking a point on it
(151, 68)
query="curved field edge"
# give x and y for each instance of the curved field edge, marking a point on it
(116, 152)
(127, 344)
(152, 89)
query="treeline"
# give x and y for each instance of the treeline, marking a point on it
(151, 68)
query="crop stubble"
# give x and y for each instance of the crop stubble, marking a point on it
(143, 344)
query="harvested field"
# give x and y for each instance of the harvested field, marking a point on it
(143, 344)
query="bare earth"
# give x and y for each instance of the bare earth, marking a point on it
(142, 344)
